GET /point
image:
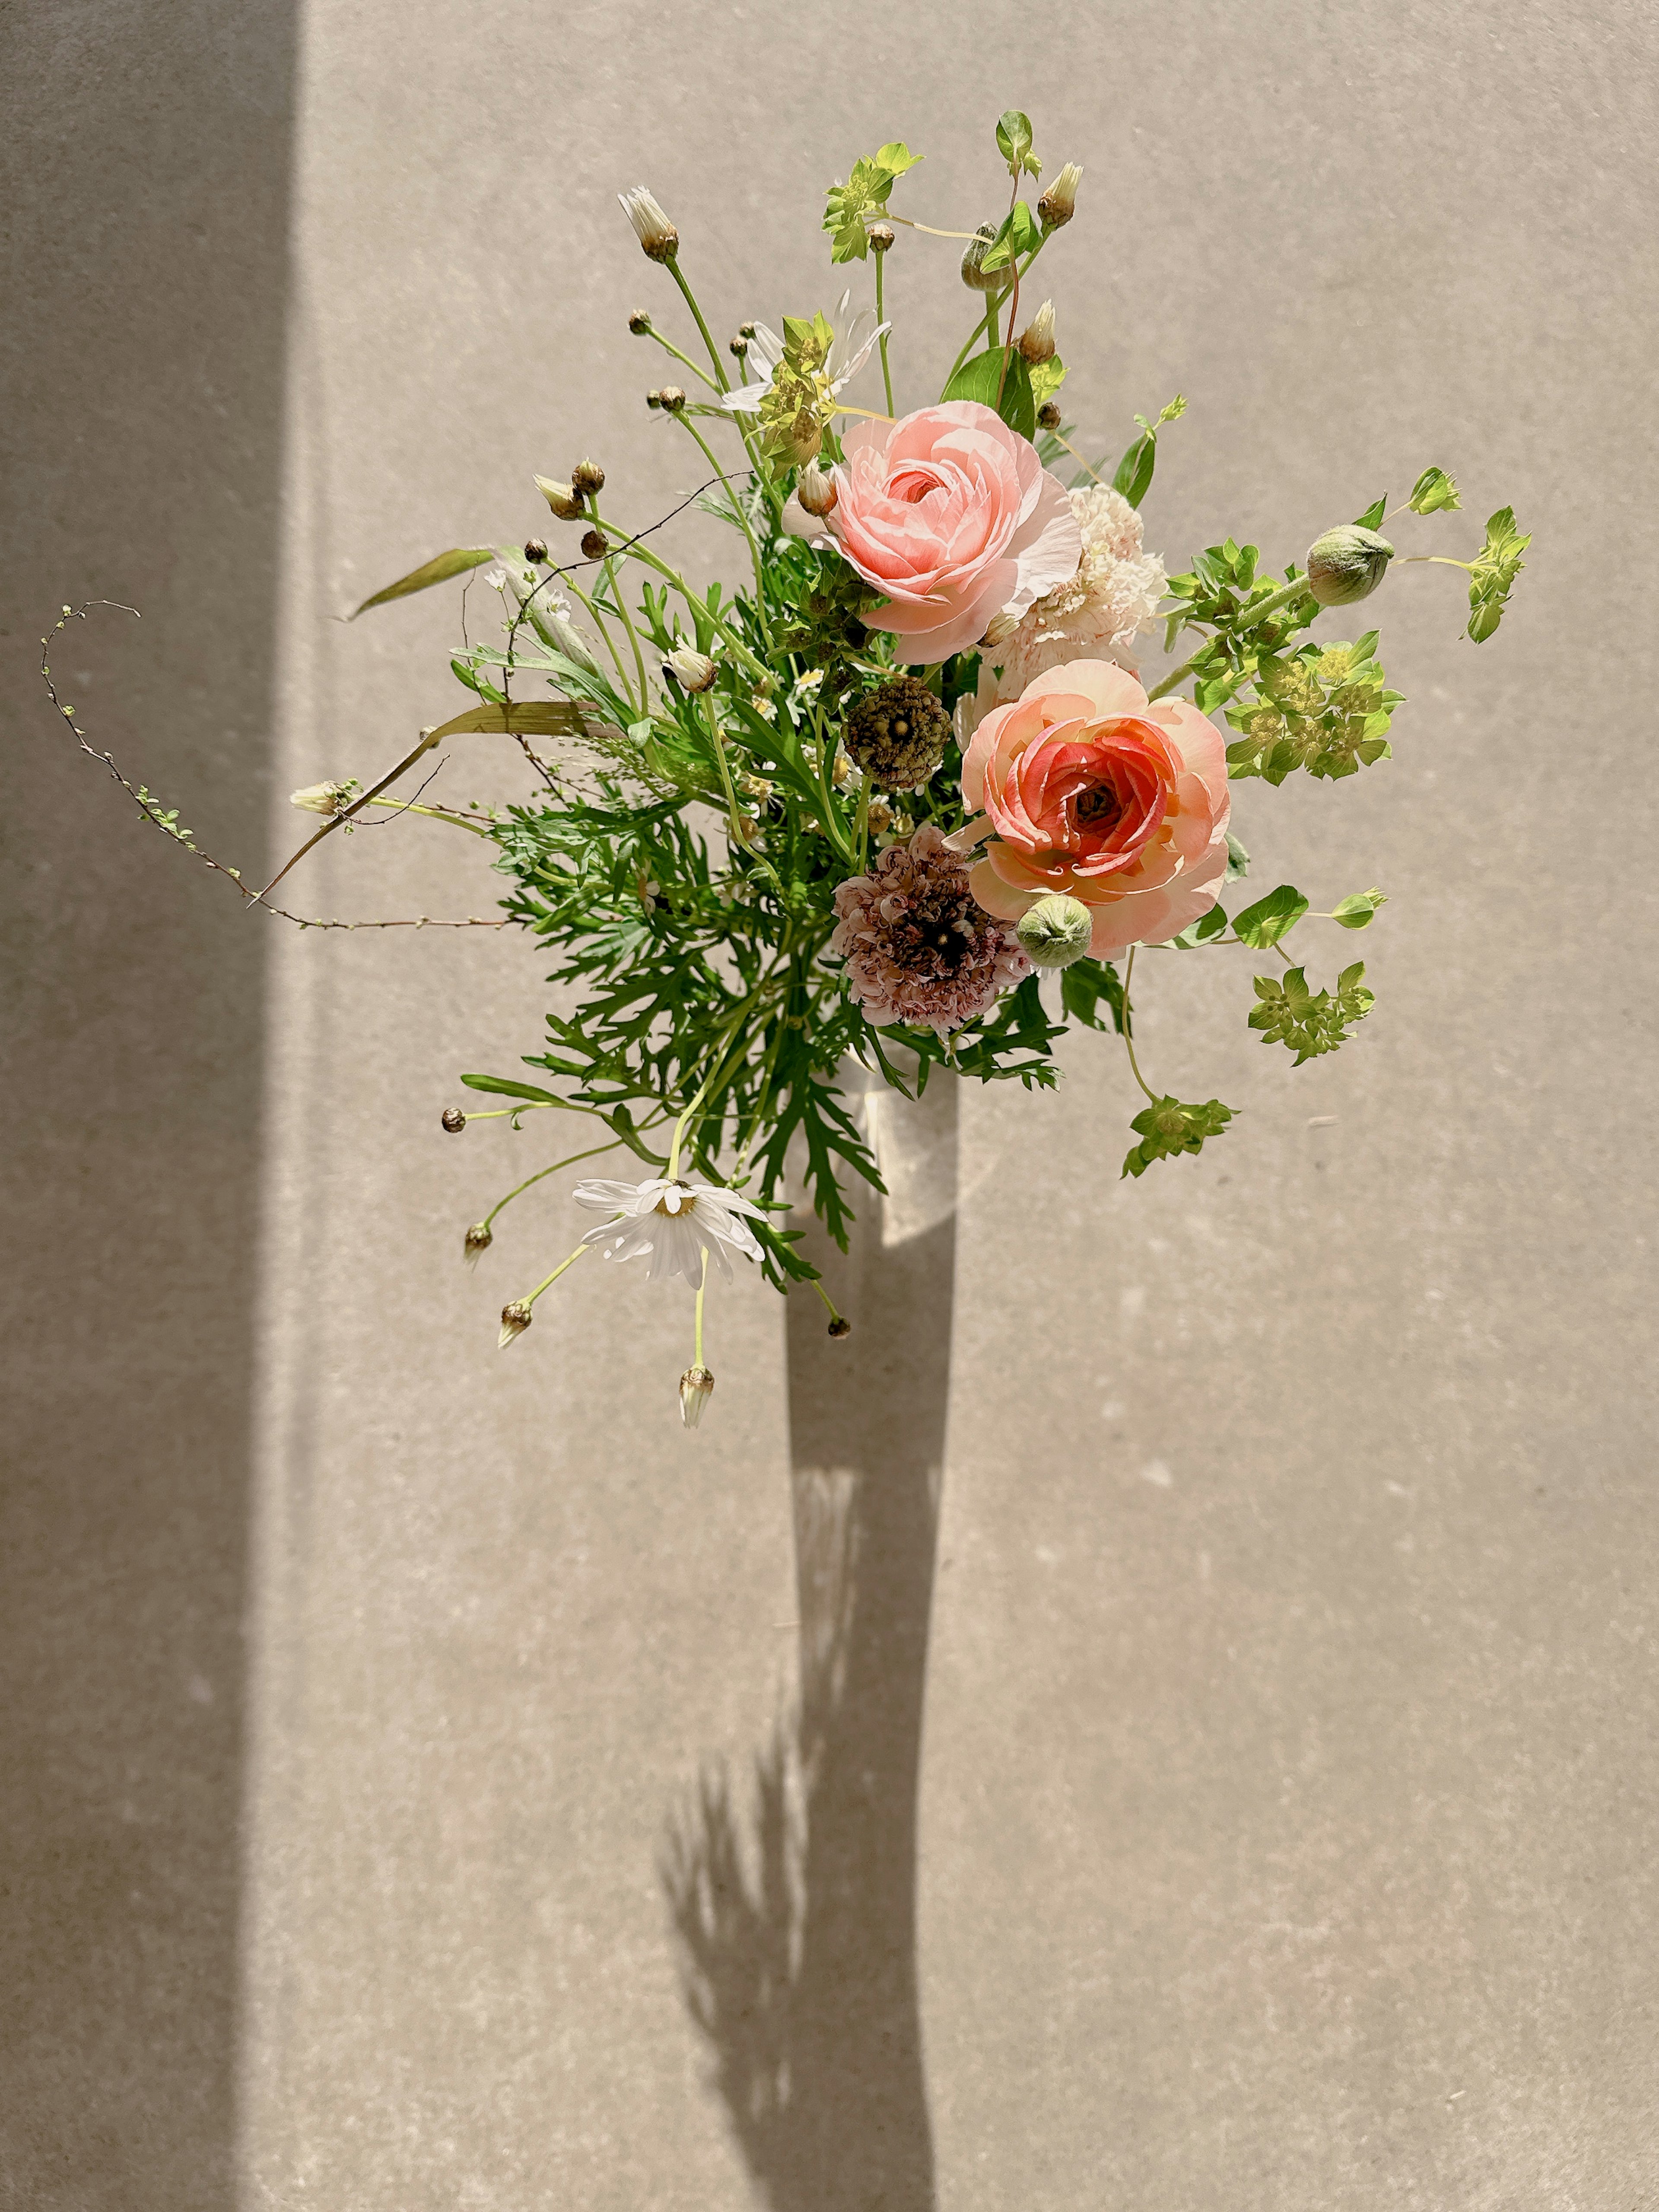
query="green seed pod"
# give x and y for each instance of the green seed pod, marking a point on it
(1055, 931)
(1347, 564)
(898, 733)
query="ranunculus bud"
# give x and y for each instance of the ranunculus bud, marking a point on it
(639, 323)
(1037, 341)
(477, 1240)
(1347, 564)
(1058, 203)
(815, 488)
(672, 398)
(321, 797)
(454, 1118)
(1055, 931)
(588, 479)
(692, 671)
(1000, 627)
(595, 545)
(563, 498)
(973, 272)
(1048, 416)
(881, 236)
(839, 1327)
(696, 1388)
(658, 237)
(535, 551)
(516, 1317)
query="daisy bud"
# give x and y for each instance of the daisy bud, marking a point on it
(588, 479)
(1347, 564)
(1048, 416)
(879, 817)
(696, 1388)
(691, 670)
(1001, 627)
(321, 797)
(670, 398)
(561, 498)
(478, 1239)
(881, 235)
(973, 275)
(842, 773)
(738, 347)
(745, 330)
(454, 1119)
(1058, 203)
(516, 1317)
(535, 549)
(653, 400)
(659, 240)
(595, 545)
(639, 323)
(1055, 931)
(839, 1327)
(1037, 342)
(815, 488)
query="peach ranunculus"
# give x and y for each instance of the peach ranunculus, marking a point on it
(952, 514)
(1088, 788)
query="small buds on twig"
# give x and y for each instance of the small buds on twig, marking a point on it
(454, 1118)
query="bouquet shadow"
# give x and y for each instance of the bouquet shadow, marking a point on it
(796, 1913)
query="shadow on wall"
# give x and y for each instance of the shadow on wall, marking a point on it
(796, 1917)
(141, 407)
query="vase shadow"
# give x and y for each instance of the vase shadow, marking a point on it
(794, 1906)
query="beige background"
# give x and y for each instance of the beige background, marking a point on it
(1287, 1779)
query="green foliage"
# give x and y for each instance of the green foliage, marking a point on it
(1168, 1127)
(1047, 377)
(1325, 709)
(1245, 613)
(1309, 1022)
(1018, 233)
(1358, 909)
(1014, 144)
(984, 376)
(1271, 918)
(1494, 570)
(798, 406)
(1373, 517)
(1433, 491)
(1084, 984)
(438, 570)
(850, 208)
(1133, 477)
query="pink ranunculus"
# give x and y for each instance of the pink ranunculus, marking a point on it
(952, 514)
(1088, 788)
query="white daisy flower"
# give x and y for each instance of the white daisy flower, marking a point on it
(854, 341)
(675, 1222)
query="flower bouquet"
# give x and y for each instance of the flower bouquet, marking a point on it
(898, 796)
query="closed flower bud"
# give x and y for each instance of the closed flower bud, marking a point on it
(671, 398)
(478, 1239)
(839, 1327)
(535, 549)
(658, 237)
(595, 545)
(973, 273)
(879, 817)
(738, 347)
(881, 236)
(815, 488)
(842, 772)
(1347, 564)
(1055, 931)
(561, 498)
(639, 323)
(1001, 627)
(1048, 417)
(1037, 342)
(691, 670)
(588, 479)
(322, 798)
(1058, 203)
(696, 1388)
(516, 1317)
(454, 1118)
(745, 330)
(653, 400)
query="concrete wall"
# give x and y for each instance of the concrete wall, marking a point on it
(1279, 1828)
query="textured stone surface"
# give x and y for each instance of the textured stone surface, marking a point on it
(1287, 1766)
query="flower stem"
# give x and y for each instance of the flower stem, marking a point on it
(818, 1285)
(754, 547)
(886, 375)
(555, 1275)
(684, 359)
(609, 642)
(434, 813)
(1255, 615)
(593, 1152)
(721, 383)
(1128, 1041)
(702, 1286)
(633, 634)
(862, 826)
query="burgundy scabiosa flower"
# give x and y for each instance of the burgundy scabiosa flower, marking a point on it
(919, 947)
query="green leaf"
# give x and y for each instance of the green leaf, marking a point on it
(1134, 472)
(508, 1089)
(1433, 490)
(1309, 1022)
(1263, 924)
(1020, 232)
(1047, 377)
(1494, 569)
(1238, 861)
(438, 570)
(1014, 143)
(1372, 518)
(1357, 910)
(850, 208)
(1168, 1127)
(1084, 984)
(978, 378)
